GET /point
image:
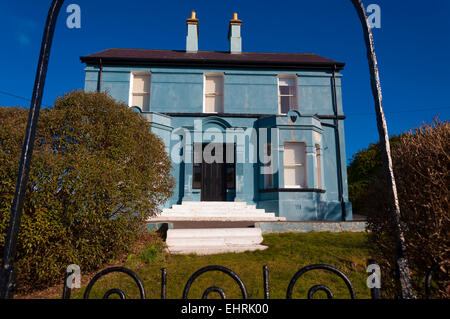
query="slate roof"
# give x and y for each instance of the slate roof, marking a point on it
(211, 59)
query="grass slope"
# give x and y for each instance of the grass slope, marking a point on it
(286, 254)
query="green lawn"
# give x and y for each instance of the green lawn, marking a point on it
(286, 254)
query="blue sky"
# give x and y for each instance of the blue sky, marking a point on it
(412, 47)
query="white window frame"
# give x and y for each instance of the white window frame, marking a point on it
(268, 178)
(305, 168)
(318, 155)
(295, 78)
(131, 93)
(223, 91)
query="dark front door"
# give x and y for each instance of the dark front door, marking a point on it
(214, 175)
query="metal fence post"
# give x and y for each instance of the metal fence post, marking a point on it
(266, 282)
(402, 262)
(375, 292)
(7, 272)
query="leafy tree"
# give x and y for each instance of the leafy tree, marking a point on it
(97, 175)
(362, 172)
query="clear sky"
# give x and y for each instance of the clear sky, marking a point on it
(412, 47)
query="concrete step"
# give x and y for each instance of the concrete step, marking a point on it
(168, 218)
(219, 211)
(215, 204)
(200, 250)
(204, 241)
(214, 232)
(213, 241)
(221, 207)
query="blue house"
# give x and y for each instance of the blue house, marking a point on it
(266, 129)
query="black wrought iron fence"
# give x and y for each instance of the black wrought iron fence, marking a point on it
(375, 292)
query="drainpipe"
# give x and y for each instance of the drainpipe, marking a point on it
(99, 83)
(338, 148)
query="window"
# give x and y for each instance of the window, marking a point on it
(214, 87)
(140, 90)
(318, 167)
(287, 93)
(295, 165)
(268, 169)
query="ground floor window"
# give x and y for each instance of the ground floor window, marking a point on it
(295, 165)
(318, 167)
(268, 169)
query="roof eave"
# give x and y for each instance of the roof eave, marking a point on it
(213, 63)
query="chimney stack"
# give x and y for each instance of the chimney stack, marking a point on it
(234, 34)
(192, 34)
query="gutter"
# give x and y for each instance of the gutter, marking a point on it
(99, 82)
(212, 63)
(338, 148)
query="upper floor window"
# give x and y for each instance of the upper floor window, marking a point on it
(213, 90)
(287, 93)
(140, 90)
(295, 165)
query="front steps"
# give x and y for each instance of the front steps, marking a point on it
(216, 211)
(205, 241)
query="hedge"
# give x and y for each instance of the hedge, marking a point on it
(421, 161)
(97, 174)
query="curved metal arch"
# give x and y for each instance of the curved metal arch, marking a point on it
(223, 269)
(214, 289)
(316, 288)
(8, 272)
(116, 291)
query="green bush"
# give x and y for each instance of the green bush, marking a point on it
(362, 171)
(151, 253)
(421, 161)
(97, 175)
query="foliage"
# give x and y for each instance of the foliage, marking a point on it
(150, 254)
(363, 171)
(97, 175)
(421, 161)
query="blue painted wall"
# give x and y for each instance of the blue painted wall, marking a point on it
(180, 90)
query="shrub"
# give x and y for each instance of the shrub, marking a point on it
(421, 162)
(97, 175)
(362, 171)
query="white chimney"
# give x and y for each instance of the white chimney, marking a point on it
(234, 34)
(192, 34)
